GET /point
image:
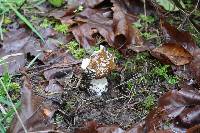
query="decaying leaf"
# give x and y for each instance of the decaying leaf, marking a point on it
(173, 35)
(172, 52)
(178, 108)
(126, 37)
(34, 112)
(93, 21)
(54, 87)
(17, 44)
(184, 39)
(194, 66)
(115, 26)
(15, 47)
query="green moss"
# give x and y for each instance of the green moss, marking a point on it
(149, 102)
(79, 9)
(7, 21)
(56, 3)
(129, 85)
(62, 28)
(7, 86)
(116, 53)
(163, 71)
(75, 50)
(46, 23)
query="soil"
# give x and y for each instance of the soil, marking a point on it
(122, 104)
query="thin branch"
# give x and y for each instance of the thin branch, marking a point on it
(187, 15)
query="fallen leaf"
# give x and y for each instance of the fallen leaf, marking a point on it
(126, 36)
(172, 52)
(173, 35)
(12, 50)
(54, 87)
(93, 21)
(194, 129)
(194, 66)
(32, 112)
(134, 7)
(178, 107)
(89, 127)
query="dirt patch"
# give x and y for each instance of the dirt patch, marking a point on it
(132, 92)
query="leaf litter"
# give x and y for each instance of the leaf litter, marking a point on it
(56, 95)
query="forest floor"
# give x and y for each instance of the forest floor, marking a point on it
(152, 71)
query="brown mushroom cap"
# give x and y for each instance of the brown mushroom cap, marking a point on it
(102, 62)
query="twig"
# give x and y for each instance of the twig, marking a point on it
(187, 15)
(17, 114)
(51, 66)
(145, 10)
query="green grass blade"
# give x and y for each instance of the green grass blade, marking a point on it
(1, 30)
(11, 112)
(4, 101)
(24, 19)
(2, 128)
(32, 62)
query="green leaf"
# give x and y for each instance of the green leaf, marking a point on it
(11, 112)
(2, 128)
(4, 101)
(168, 5)
(25, 20)
(56, 3)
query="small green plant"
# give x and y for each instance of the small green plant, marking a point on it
(162, 71)
(7, 20)
(11, 86)
(6, 6)
(8, 108)
(63, 28)
(129, 85)
(130, 63)
(46, 23)
(147, 19)
(95, 48)
(79, 9)
(56, 3)
(142, 56)
(116, 53)
(75, 50)
(142, 79)
(149, 102)
(131, 88)
(143, 20)
(148, 35)
(114, 75)
(142, 23)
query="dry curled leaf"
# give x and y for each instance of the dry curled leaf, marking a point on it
(91, 22)
(126, 36)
